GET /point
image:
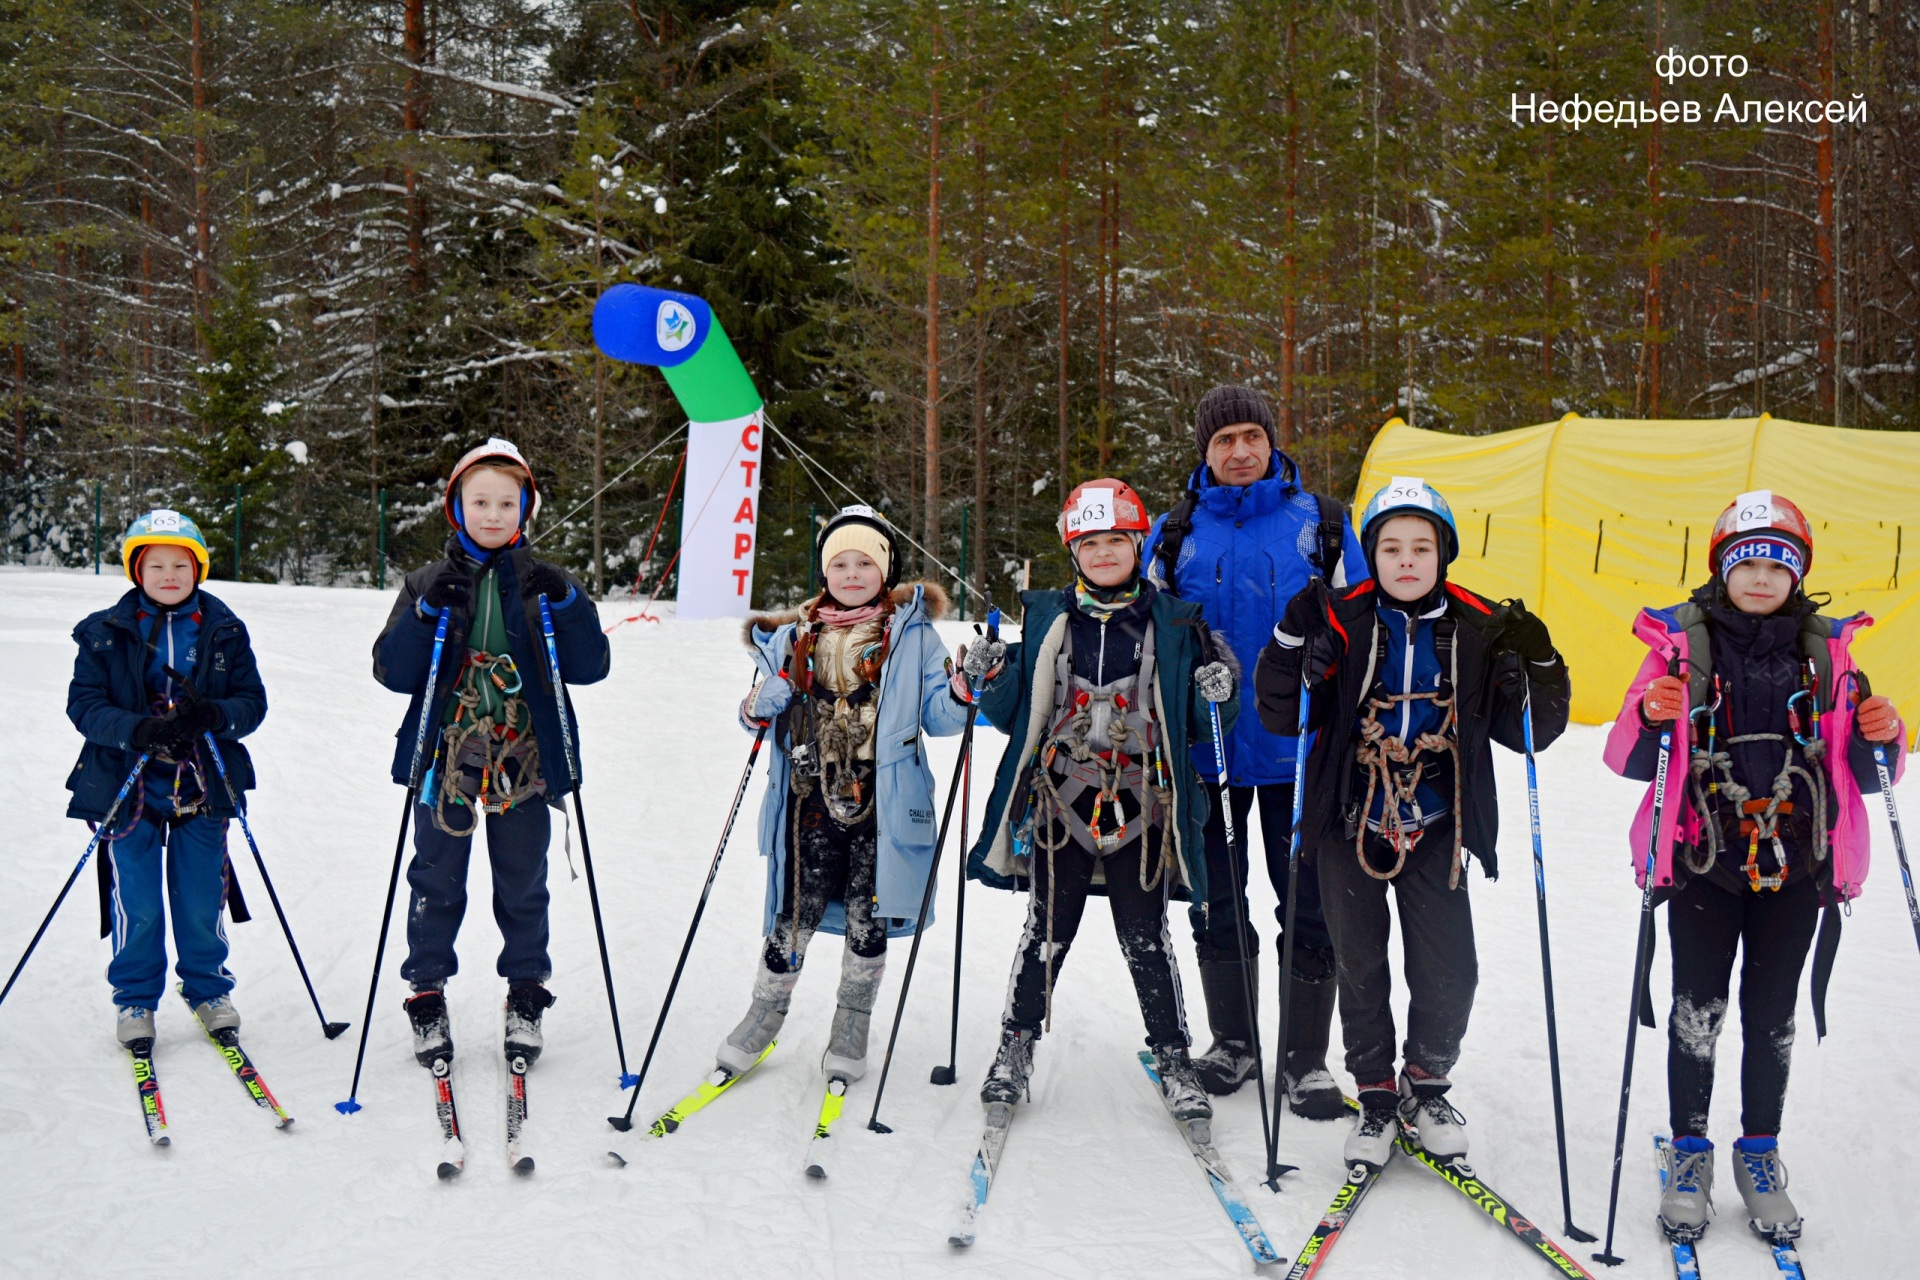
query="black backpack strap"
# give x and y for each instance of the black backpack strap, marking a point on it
(1173, 535)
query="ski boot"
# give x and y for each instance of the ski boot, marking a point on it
(1180, 1083)
(432, 1032)
(1761, 1176)
(772, 995)
(846, 1056)
(217, 1014)
(1312, 1092)
(527, 999)
(1686, 1196)
(1231, 988)
(1423, 1104)
(1012, 1070)
(1371, 1141)
(131, 1023)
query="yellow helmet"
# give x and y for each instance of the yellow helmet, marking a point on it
(163, 528)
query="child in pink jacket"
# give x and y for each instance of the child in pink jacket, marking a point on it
(1762, 825)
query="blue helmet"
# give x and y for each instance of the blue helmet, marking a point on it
(1409, 495)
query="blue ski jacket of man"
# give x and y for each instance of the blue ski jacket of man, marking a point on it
(1250, 551)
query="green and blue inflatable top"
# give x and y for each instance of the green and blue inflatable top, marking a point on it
(678, 334)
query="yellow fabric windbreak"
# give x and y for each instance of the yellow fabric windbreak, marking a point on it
(1590, 519)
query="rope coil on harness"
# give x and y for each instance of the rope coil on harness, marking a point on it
(489, 743)
(1394, 770)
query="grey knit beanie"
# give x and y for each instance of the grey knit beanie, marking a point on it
(1227, 406)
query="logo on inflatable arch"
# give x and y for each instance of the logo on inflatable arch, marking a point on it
(673, 326)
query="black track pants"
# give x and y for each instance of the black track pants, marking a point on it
(1441, 966)
(1139, 918)
(1214, 934)
(834, 862)
(1773, 931)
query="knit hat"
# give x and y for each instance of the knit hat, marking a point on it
(1228, 406)
(857, 535)
(1766, 544)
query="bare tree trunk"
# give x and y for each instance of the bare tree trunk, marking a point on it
(933, 302)
(1648, 405)
(202, 181)
(979, 566)
(1289, 318)
(599, 403)
(1823, 229)
(1066, 192)
(414, 119)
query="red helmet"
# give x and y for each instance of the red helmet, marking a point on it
(1754, 515)
(1102, 506)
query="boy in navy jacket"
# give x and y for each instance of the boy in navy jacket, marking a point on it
(154, 675)
(498, 746)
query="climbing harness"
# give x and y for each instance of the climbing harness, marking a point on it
(827, 732)
(478, 741)
(1394, 768)
(1759, 818)
(1105, 739)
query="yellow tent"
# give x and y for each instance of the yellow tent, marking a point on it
(1589, 519)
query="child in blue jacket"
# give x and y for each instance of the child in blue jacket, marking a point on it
(164, 667)
(499, 749)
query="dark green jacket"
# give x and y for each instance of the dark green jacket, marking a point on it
(1019, 702)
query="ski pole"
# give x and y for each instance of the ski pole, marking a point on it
(332, 1030)
(1641, 960)
(926, 901)
(1546, 962)
(948, 1073)
(1267, 1127)
(352, 1103)
(99, 833)
(625, 1122)
(627, 1078)
(1893, 812)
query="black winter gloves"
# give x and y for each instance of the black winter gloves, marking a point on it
(150, 733)
(452, 588)
(1524, 634)
(547, 580)
(1306, 619)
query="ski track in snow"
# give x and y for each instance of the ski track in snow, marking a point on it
(1095, 1182)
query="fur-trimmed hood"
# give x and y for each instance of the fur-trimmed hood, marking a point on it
(934, 603)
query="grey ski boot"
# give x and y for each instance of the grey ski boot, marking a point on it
(1231, 987)
(846, 1056)
(772, 995)
(217, 1014)
(1761, 1176)
(1686, 1182)
(1012, 1069)
(132, 1023)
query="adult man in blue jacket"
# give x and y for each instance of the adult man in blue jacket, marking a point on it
(1244, 539)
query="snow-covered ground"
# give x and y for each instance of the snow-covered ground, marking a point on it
(1095, 1182)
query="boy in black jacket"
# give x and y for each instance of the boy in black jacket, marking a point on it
(155, 674)
(498, 749)
(1411, 677)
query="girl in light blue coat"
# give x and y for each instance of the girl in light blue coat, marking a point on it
(849, 684)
